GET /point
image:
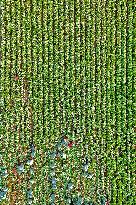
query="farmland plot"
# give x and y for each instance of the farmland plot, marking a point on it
(67, 102)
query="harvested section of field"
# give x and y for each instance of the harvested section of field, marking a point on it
(68, 117)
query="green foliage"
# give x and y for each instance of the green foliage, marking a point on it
(67, 69)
